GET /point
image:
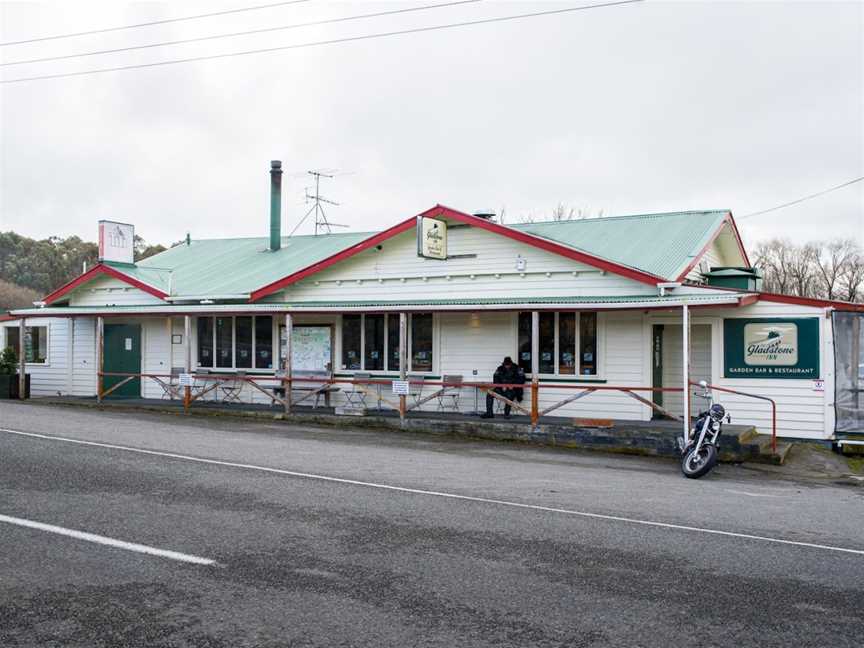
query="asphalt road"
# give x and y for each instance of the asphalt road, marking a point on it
(301, 560)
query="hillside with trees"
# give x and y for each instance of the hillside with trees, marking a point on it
(31, 268)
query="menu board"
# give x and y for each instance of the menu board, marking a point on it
(311, 349)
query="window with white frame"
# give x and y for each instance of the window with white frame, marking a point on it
(235, 342)
(567, 343)
(35, 343)
(370, 342)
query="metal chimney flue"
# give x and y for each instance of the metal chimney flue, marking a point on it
(275, 205)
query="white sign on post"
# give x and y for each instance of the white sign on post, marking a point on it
(186, 380)
(116, 242)
(400, 387)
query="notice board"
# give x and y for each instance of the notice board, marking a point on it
(311, 349)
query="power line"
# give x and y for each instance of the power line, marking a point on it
(333, 41)
(243, 33)
(153, 22)
(800, 200)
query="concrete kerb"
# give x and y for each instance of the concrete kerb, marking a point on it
(640, 439)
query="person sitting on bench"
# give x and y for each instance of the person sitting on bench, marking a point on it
(506, 374)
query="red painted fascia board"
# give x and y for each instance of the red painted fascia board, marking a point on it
(731, 220)
(726, 220)
(810, 301)
(372, 241)
(452, 214)
(790, 299)
(94, 272)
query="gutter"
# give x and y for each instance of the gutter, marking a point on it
(192, 309)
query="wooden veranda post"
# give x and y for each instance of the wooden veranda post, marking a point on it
(100, 355)
(535, 367)
(286, 380)
(22, 360)
(187, 359)
(403, 361)
(685, 334)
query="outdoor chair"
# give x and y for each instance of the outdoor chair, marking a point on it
(356, 397)
(171, 388)
(448, 397)
(231, 389)
(415, 392)
(201, 383)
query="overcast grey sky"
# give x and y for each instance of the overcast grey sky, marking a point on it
(657, 106)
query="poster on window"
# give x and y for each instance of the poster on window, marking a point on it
(311, 349)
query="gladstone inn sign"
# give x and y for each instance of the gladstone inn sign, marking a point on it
(771, 348)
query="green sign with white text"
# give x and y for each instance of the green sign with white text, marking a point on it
(771, 347)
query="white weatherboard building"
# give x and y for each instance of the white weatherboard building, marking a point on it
(582, 305)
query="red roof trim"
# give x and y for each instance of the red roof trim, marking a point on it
(94, 272)
(452, 214)
(788, 299)
(726, 220)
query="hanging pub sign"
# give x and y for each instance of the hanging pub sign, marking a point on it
(431, 238)
(771, 347)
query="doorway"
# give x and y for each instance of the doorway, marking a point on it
(668, 363)
(121, 353)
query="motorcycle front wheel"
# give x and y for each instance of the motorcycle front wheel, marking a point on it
(694, 465)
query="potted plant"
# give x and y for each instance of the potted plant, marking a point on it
(9, 375)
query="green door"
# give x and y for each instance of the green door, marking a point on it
(122, 354)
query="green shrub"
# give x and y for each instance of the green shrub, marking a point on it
(8, 362)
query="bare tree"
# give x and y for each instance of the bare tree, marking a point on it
(828, 270)
(832, 261)
(852, 278)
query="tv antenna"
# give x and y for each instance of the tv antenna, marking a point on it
(318, 201)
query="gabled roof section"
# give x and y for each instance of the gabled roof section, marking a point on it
(236, 267)
(440, 211)
(667, 245)
(149, 281)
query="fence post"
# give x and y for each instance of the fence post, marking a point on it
(187, 360)
(286, 366)
(100, 355)
(685, 334)
(403, 362)
(22, 360)
(535, 368)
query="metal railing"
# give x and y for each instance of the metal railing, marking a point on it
(271, 386)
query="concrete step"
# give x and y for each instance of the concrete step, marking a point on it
(747, 435)
(760, 446)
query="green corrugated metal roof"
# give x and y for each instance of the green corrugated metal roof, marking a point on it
(236, 266)
(662, 244)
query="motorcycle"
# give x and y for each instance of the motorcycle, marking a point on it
(700, 453)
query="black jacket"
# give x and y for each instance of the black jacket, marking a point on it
(512, 376)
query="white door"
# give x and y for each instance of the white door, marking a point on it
(673, 366)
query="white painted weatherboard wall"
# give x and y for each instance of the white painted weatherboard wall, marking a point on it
(108, 291)
(378, 275)
(802, 412)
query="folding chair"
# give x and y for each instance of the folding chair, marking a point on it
(231, 389)
(415, 392)
(449, 396)
(171, 388)
(200, 382)
(357, 397)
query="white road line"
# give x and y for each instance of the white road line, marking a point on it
(104, 540)
(454, 496)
